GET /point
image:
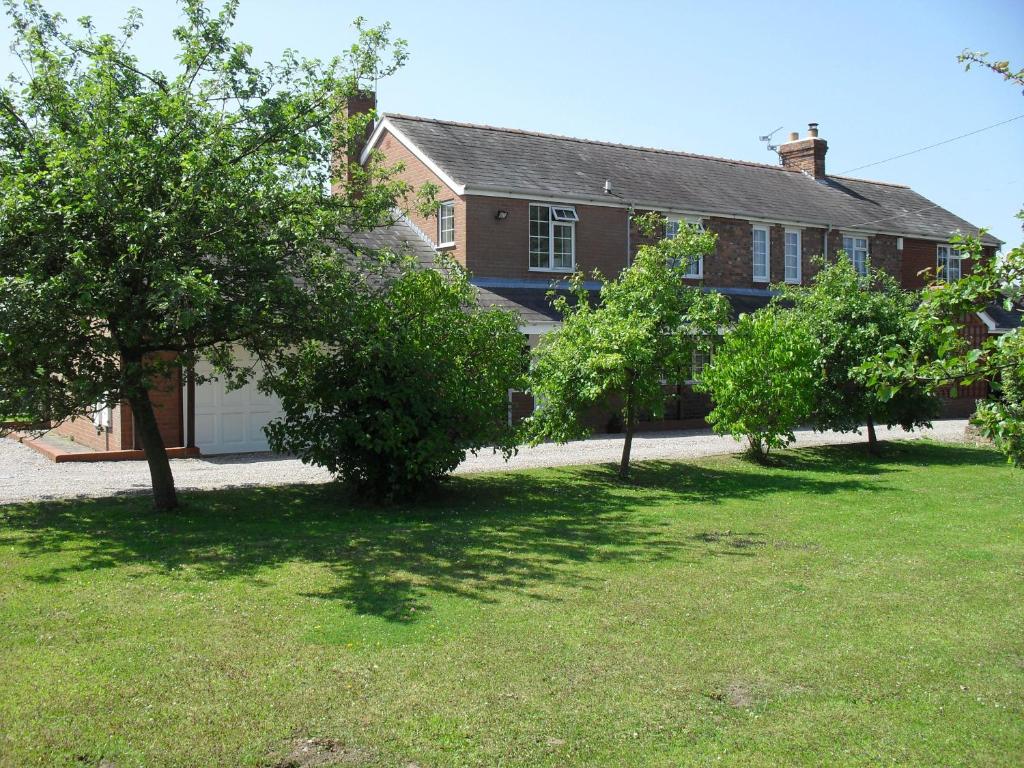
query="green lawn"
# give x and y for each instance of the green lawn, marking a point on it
(834, 610)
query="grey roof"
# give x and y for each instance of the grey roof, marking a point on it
(401, 238)
(551, 167)
(1005, 319)
(533, 305)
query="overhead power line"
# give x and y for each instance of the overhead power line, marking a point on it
(932, 146)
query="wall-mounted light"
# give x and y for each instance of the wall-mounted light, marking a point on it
(501, 215)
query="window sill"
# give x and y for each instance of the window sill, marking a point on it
(797, 281)
(560, 271)
(441, 246)
(762, 279)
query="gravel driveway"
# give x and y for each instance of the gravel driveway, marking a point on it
(26, 475)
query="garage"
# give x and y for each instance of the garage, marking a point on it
(232, 421)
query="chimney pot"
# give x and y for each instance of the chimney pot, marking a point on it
(794, 135)
(812, 130)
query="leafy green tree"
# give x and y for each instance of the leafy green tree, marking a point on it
(1001, 417)
(851, 317)
(762, 380)
(940, 355)
(148, 218)
(401, 376)
(641, 334)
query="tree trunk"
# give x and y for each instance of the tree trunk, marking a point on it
(872, 438)
(164, 496)
(627, 445)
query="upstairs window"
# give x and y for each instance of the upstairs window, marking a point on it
(552, 240)
(698, 360)
(446, 223)
(762, 254)
(947, 264)
(695, 269)
(857, 249)
(792, 243)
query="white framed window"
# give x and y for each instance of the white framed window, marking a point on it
(792, 245)
(552, 241)
(446, 223)
(695, 269)
(948, 265)
(564, 213)
(762, 254)
(856, 247)
(102, 416)
(698, 360)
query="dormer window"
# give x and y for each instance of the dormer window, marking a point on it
(947, 264)
(446, 224)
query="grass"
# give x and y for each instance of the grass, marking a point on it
(832, 610)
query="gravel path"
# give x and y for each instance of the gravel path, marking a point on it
(27, 476)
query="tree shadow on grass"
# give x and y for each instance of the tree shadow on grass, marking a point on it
(480, 536)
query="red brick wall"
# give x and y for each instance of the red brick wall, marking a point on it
(417, 174)
(502, 248)
(920, 255)
(83, 431)
(167, 403)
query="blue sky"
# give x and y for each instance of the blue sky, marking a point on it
(881, 78)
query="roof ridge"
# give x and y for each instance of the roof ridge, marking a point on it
(872, 181)
(579, 140)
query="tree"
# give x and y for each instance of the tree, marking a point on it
(641, 334)
(147, 219)
(941, 356)
(851, 317)
(1001, 418)
(762, 380)
(402, 374)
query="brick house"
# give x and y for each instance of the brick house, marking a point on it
(522, 210)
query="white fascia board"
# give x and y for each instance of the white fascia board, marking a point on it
(604, 202)
(992, 325)
(419, 154)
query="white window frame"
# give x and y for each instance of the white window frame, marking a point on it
(445, 210)
(695, 370)
(851, 251)
(952, 254)
(103, 416)
(795, 279)
(553, 224)
(564, 213)
(767, 276)
(678, 221)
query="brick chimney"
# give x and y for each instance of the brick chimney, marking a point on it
(807, 154)
(359, 105)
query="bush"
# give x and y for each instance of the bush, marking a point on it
(405, 374)
(762, 380)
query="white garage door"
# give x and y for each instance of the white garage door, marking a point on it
(232, 422)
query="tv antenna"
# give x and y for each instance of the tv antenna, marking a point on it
(767, 139)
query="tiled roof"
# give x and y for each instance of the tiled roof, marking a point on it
(500, 160)
(533, 305)
(1004, 319)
